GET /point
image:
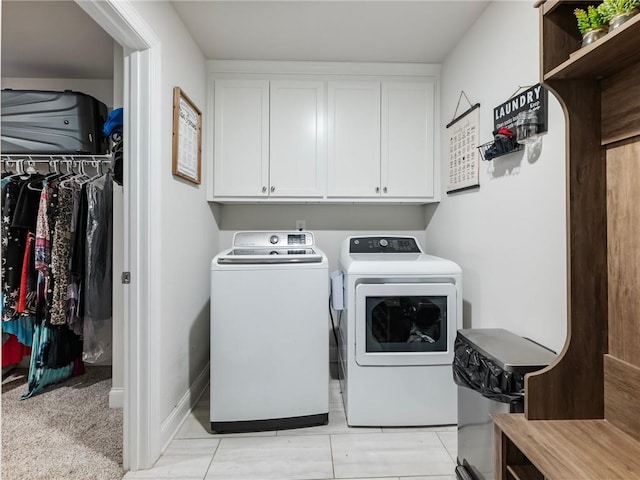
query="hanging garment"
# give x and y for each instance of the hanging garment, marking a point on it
(98, 266)
(40, 376)
(12, 350)
(61, 256)
(21, 327)
(78, 258)
(97, 323)
(27, 297)
(12, 251)
(45, 226)
(24, 221)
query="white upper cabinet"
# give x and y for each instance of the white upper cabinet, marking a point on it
(354, 139)
(241, 138)
(291, 132)
(297, 139)
(407, 140)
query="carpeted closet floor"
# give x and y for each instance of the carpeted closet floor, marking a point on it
(67, 432)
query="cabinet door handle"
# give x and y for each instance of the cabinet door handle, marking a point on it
(384, 189)
(273, 189)
(264, 189)
(377, 189)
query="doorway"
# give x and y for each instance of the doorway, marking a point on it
(141, 63)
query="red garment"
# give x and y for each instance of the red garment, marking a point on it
(78, 367)
(24, 278)
(13, 351)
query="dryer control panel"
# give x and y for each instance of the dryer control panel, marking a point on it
(384, 245)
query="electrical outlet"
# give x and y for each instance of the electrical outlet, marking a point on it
(301, 225)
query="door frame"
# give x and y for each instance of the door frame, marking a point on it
(141, 48)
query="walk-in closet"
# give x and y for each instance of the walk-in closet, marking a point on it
(62, 244)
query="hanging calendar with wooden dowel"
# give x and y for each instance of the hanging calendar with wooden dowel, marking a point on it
(463, 156)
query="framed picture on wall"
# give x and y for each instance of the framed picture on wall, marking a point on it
(187, 137)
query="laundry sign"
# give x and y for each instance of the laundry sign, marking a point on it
(535, 98)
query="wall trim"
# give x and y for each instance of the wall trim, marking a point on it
(179, 414)
(116, 397)
(322, 68)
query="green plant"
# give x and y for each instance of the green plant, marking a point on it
(610, 8)
(591, 19)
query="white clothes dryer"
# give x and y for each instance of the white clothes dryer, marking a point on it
(269, 335)
(402, 310)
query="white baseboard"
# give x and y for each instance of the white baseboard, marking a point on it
(180, 413)
(116, 397)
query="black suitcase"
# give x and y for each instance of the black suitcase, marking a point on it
(42, 122)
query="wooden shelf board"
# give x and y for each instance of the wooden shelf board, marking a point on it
(524, 472)
(608, 55)
(572, 449)
(549, 6)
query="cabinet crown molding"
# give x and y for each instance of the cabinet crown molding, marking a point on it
(322, 68)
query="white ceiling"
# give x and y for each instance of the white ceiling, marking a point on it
(373, 31)
(57, 39)
(53, 39)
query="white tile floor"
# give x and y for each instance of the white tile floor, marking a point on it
(331, 451)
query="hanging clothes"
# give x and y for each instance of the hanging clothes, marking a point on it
(61, 256)
(19, 283)
(13, 251)
(40, 376)
(22, 328)
(57, 273)
(24, 222)
(98, 323)
(99, 247)
(12, 350)
(78, 261)
(45, 228)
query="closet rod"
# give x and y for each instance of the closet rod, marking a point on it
(15, 157)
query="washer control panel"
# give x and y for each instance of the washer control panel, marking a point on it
(384, 245)
(273, 239)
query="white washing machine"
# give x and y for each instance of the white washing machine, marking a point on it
(403, 308)
(269, 336)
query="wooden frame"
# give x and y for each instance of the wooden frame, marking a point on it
(187, 137)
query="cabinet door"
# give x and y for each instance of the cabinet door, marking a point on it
(241, 138)
(297, 139)
(354, 139)
(407, 139)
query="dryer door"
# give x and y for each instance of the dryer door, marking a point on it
(405, 323)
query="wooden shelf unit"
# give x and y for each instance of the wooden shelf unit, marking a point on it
(581, 418)
(609, 55)
(523, 472)
(569, 449)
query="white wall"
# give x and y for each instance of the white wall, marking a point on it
(508, 236)
(188, 239)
